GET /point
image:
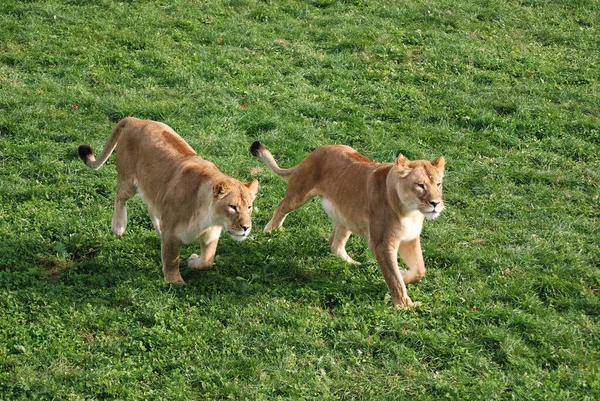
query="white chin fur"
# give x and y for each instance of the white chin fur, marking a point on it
(431, 215)
(237, 237)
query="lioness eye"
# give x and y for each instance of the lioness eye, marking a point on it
(234, 208)
(422, 186)
(249, 208)
(439, 185)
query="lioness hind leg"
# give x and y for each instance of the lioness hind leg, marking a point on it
(155, 222)
(338, 240)
(154, 218)
(208, 246)
(119, 221)
(279, 216)
(287, 205)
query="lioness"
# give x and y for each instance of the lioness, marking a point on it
(188, 198)
(385, 202)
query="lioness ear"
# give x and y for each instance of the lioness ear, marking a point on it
(221, 189)
(253, 188)
(439, 164)
(402, 164)
(402, 161)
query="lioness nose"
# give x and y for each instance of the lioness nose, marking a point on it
(434, 203)
(245, 228)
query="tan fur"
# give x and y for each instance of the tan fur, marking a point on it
(384, 202)
(189, 200)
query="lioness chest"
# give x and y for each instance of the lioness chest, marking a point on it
(410, 226)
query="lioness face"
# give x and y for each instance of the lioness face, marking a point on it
(233, 206)
(420, 185)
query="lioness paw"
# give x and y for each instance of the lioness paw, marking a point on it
(174, 279)
(351, 261)
(403, 302)
(119, 230)
(196, 262)
(411, 305)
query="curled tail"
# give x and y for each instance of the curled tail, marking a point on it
(263, 154)
(87, 154)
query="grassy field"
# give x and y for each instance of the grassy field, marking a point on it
(506, 90)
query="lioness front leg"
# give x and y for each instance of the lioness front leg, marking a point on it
(170, 248)
(412, 255)
(386, 253)
(208, 247)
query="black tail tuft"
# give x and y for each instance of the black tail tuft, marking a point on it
(256, 148)
(85, 151)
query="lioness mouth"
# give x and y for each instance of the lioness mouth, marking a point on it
(432, 214)
(238, 236)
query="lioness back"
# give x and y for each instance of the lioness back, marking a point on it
(339, 175)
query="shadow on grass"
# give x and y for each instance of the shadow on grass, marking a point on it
(104, 272)
(245, 270)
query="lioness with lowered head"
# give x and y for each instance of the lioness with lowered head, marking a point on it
(189, 200)
(385, 202)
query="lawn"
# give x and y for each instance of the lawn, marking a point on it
(507, 91)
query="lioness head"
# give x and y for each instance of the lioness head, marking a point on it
(419, 184)
(232, 206)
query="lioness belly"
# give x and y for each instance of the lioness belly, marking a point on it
(337, 216)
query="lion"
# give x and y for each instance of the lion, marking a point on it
(189, 200)
(384, 202)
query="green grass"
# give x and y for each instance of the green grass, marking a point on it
(507, 91)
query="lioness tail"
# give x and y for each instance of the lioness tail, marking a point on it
(261, 153)
(87, 154)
